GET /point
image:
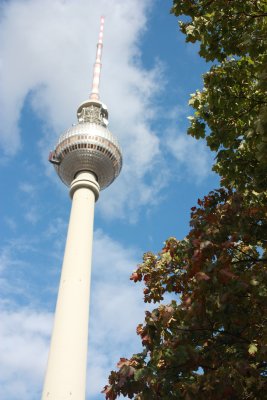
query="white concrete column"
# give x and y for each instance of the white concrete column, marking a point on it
(66, 370)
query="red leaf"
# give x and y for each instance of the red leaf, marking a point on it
(109, 392)
(122, 362)
(139, 329)
(201, 276)
(136, 277)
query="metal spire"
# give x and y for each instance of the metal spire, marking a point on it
(97, 66)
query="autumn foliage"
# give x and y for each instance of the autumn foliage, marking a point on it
(210, 341)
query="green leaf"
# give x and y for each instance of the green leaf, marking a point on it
(252, 349)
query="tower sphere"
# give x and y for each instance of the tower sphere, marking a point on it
(88, 146)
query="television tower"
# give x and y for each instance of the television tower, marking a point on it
(87, 158)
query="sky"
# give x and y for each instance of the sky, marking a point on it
(47, 51)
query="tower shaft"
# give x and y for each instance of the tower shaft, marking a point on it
(66, 370)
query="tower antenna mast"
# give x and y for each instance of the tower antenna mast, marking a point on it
(97, 66)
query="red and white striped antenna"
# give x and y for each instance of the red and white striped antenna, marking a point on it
(97, 66)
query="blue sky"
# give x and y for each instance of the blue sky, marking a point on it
(47, 50)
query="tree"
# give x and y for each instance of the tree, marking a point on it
(231, 111)
(210, 342)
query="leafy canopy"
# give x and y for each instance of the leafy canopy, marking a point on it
(231, 110)
(210, 342)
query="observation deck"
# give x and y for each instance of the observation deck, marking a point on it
(88, 146)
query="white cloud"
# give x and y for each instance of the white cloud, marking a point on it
(32, 215)
(16, 261)
(9, 253)
(193, 159)
(116, 309)
(27, 188)
(31, 212)
(48, 51)
(11, 223)
(24, 336)
(56, 232)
